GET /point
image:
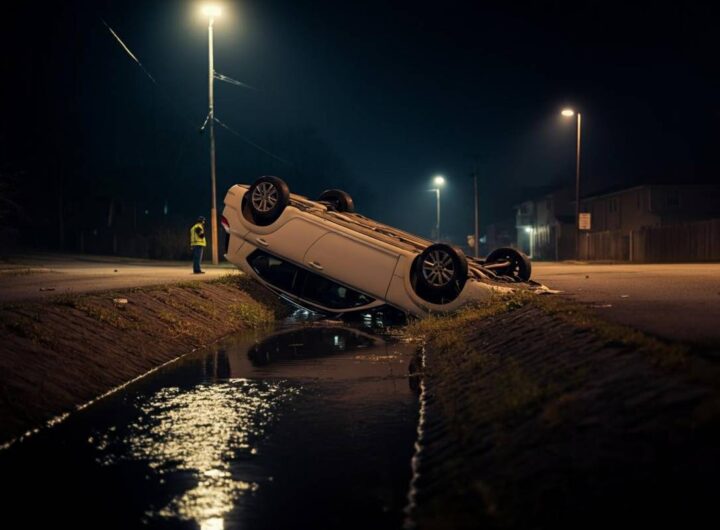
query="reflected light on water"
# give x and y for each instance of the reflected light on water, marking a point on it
(216, 523)
(196, 433)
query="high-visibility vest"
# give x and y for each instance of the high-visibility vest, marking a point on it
(195, 239)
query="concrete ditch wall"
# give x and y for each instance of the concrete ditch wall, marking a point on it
(62, 352)
(531, 422)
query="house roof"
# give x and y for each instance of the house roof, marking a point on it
(617, 190)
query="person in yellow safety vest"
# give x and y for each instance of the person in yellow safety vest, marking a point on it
(197, 242)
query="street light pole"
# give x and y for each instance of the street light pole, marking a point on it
(439, 181)
(437, 225)
(569, 113)
(212, 12)
(577, 187)
(477, 226)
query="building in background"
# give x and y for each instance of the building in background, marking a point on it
(498, 235)
(653, 223)
(648, 223)
(545, 224)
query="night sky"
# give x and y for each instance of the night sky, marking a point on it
(372, 97)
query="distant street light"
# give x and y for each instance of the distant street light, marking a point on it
(212, 11)
(531, 235)
(569, 113)
(439, 181)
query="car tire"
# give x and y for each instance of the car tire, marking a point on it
(267, 199)
(339, 200)
(440, 273)
(519, 267)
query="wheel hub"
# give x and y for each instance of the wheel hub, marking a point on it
(438, 268)
(264, 197)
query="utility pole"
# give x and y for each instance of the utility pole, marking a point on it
(211, 121)
(437, 224)
(439, 181)
(569, 113)
(477, 218)
(577, 188)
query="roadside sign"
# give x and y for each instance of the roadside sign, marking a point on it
(584, 221)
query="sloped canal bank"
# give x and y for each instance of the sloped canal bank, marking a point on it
(539, 414)
(60, 353)
(304, 427)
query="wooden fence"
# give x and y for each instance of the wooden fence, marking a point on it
(698, 241)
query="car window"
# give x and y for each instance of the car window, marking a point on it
(277, 272)
(308, 285)
(333, 295)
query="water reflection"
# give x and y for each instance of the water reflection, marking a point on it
(308, 342)
(193, 436)
(311, 427)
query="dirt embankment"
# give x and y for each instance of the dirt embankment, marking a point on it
(62, 352)
(540, 415)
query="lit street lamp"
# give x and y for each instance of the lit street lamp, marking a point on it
(439, 181)
(569, 113)
(212, 12)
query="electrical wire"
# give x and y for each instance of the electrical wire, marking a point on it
(216, 75)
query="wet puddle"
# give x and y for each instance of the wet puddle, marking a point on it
(305, 427)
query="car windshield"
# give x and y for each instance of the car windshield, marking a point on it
(305, 284)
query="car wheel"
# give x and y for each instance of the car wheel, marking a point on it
(339, 200)
(518, 264)
(440, 273)
(267, 198)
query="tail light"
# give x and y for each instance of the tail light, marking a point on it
(225, 224)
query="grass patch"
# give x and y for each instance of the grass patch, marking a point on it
(103, 314)
(251, 314)
(67, 299)
(446, 331)
(440, 327)
(230, 279)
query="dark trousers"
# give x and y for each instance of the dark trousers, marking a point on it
(197, 257)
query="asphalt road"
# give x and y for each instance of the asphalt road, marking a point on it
(673, 301)
(38, 276)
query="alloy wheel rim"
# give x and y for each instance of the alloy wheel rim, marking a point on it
(264, 197)
(438, 268)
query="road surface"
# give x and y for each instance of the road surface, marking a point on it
(673, 301)
(38, 276)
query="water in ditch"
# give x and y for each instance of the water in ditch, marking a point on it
(309, 426)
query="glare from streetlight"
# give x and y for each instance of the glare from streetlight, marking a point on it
(568, 113)
(212, 10)
(439, 180)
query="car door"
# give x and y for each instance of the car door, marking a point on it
(360, 264)
(289, 241)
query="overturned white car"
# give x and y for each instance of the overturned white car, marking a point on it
(323, 256)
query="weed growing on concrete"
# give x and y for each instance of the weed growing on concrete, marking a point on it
(251, 314)
(66, 299)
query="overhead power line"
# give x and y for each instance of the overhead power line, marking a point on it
(221, 77)
(218, 76)
(132, 56)
(253, 144)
